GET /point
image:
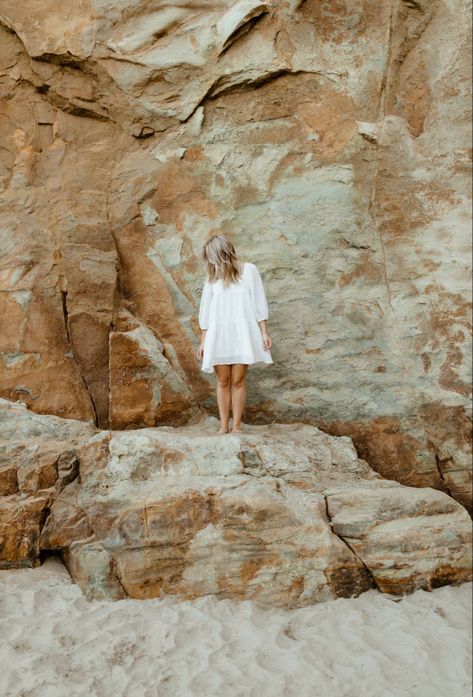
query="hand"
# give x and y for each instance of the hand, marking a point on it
(267, 343)
(200, 350)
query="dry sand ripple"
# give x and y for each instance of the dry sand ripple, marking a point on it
(55, 643)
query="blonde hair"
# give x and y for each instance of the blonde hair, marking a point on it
(222, 260)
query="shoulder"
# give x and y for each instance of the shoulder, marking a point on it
(253, 271)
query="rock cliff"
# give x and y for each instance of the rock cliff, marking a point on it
(331, 140)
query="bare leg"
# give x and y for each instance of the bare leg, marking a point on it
(223, 373)
(238, 394)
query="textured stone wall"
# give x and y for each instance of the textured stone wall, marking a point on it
(330, 139)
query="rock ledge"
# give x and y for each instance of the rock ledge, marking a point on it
(284, 514)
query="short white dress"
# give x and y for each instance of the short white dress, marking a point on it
(231, 317)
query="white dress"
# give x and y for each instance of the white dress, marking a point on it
(231, 317)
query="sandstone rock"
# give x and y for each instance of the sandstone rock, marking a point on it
(330, 139)
(37, 461)
(284, 514)
(144, 388)
(389, 527)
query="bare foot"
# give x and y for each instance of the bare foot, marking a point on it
(223, 429)
(236, 430)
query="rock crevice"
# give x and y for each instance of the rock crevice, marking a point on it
(71, 348)
(343, 539)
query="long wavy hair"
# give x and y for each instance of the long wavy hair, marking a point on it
(222, 261)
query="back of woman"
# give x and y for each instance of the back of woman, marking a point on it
(233, 318)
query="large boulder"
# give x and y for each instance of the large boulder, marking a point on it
(284, 514)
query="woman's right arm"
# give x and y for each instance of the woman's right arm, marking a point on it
(258, 295)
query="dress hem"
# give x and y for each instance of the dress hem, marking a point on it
(210, 369)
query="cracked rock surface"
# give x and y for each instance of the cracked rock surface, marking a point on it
(284, 514)
(330, 139)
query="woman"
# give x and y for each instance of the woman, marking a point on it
(232, 316)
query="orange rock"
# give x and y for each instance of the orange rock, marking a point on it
(342, 170)
(283, 514)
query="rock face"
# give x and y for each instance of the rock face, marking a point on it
(284, 514)
(37, 461)
(329, 139)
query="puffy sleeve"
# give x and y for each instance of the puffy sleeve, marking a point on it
(258, 294)
(205, 299)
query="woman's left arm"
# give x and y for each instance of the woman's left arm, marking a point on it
(205, 305)
(204, 311)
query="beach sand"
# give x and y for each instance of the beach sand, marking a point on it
(56, 643)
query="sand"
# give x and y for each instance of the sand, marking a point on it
(55, 643)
